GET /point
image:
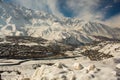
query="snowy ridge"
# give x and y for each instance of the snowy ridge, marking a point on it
(17, 21)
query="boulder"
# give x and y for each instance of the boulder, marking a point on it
(118, 66)
(77, 66)
(91, 67)
(59, 65)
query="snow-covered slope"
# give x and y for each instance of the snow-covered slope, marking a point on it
(16, 21)
(15, 18)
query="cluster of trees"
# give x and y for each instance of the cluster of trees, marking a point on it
(95, 55)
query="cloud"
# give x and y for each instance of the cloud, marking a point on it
(54, 8)
(116, 1)
(48, 6)
(114, 21)
(82, 8)
(108, 6)
(85, 9)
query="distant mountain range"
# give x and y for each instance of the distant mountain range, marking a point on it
(20, 21)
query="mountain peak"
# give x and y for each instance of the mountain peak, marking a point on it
(16, 21)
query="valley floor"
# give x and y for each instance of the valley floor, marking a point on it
(99, 61)
(80, 68)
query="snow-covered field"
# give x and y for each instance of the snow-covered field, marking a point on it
(78, 68)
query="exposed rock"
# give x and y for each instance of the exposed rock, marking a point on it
(63, 77)
(36, 66)
(26, 79)
(0, 77)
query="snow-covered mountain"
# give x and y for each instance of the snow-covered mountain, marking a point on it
(20, 21)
